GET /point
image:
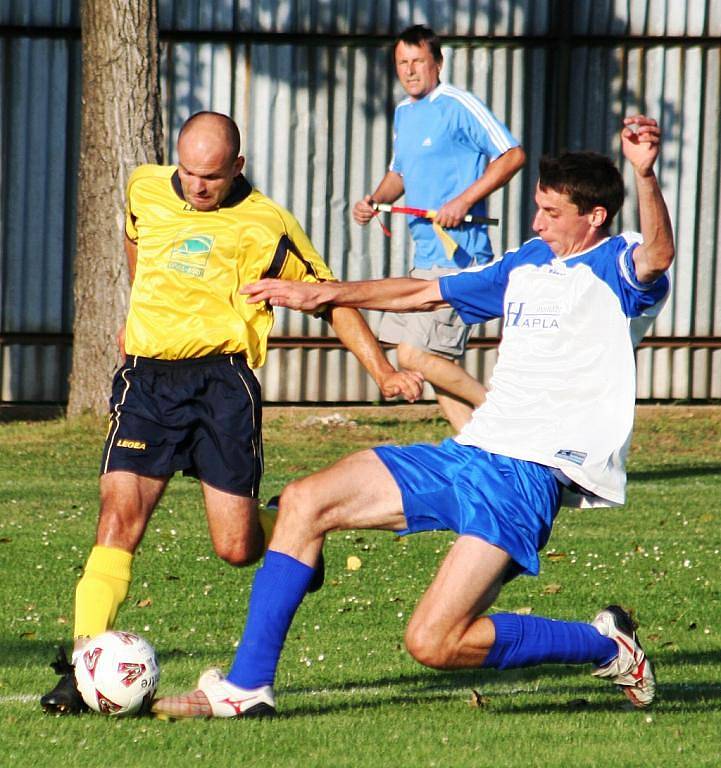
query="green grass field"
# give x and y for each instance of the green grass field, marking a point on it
(348, 693)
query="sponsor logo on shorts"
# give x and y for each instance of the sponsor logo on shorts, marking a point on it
(135, 445)
(190, 253)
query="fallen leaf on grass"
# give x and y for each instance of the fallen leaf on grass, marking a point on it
(551, 589)
(145, 603)
(28, 635)
(353, 563)
(555, 556)
(477, 700)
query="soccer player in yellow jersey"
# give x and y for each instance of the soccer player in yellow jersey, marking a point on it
(186, 398)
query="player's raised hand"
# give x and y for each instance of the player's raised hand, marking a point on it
(640, 142)
(305, 297)
(363, 210)
(406, 384)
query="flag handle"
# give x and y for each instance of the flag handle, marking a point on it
(428, 214)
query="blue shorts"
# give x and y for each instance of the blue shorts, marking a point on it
(507, 502)
(201, 416)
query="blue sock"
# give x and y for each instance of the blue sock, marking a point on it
(522, 641)
(279, 587)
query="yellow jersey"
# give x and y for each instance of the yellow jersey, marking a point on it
(191, 264)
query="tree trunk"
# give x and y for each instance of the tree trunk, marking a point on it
(121, 128)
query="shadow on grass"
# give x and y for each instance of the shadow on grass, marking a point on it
(504, 692)
(675, 472)
(503, 688)
(532, 698)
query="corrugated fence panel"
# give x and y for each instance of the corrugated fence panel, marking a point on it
(656, 18)
(40, 13)
(680, 85)
(39, 217)
(316, 112)
(383, 17)
(462, 18)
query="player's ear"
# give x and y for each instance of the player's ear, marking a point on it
(598, 216)
(238, 165)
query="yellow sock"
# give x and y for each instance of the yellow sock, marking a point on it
(267, 517)
(101, 590)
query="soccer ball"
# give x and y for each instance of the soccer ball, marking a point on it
(117, 674)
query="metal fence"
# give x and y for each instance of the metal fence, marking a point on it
(312, 86)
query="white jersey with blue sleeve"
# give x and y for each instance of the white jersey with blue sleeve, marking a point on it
(563, 389)
(442, 143)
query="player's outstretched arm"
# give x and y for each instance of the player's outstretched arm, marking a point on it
(397, 294)
(353, 331)
(640, 143)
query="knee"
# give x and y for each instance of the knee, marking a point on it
(300, 508)
(239, 553)
(426, 647)
(409, 357)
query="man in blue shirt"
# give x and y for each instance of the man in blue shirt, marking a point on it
(449, 153)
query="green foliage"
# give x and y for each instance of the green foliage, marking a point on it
(349, 694)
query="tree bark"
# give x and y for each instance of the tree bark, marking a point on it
(121, 128)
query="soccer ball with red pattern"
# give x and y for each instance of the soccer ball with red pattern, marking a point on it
(117, 674)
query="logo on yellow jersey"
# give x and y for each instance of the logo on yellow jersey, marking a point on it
(190, 253)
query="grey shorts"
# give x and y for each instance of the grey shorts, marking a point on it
(441, 332)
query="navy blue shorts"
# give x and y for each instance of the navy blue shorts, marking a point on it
(507, 502)
(201, 416)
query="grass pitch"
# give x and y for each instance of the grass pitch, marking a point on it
(348, 693)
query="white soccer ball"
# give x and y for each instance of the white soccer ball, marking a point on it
(117, 673)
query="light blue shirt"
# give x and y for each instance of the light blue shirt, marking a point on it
(441, 145)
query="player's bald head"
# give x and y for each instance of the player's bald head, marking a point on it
(211, 130)
(208, 159)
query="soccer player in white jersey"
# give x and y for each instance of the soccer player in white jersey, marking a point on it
(450, 152)
(557, 420)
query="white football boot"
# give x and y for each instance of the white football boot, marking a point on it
(631, 671)
(217, 697)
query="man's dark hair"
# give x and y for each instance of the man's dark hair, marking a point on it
(417, 35)
(227, 124)
(589, 179)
